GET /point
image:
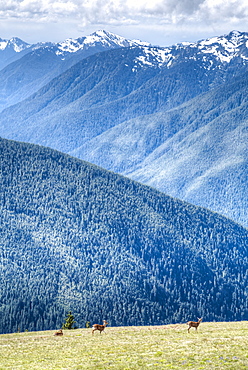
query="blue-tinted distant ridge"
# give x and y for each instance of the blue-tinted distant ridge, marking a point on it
(171, 117)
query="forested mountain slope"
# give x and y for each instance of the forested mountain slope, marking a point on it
(96, 94)
(110, 87)
(25, 68)
(77, 237)
(163, 116)
(197, 152)
(13, 49)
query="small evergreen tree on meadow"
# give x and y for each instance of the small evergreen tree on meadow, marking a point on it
(69, 321)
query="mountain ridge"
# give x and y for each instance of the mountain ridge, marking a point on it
(26, 68)
(75, 237)
(101, 38)
(85, 111)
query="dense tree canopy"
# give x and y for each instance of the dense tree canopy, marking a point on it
(75, 237)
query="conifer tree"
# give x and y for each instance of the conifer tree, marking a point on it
(69, 321)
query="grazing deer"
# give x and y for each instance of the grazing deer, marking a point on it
(99, 327)
(194, 324)
(59, 332)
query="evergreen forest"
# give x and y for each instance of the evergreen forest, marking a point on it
(81, 239)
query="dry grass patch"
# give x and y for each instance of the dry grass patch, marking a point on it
(213, 346)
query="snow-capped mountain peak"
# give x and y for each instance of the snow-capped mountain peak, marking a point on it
(18, 44)
(14, 43)
(225, 48)
(109, 38)
(102, 39)
(99, 38)
(211, 51)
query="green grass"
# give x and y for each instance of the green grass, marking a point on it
(213, 346)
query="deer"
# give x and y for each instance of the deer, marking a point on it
(59, 332)
(194, 324)
(99, 327)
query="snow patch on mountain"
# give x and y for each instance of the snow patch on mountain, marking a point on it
(69, 46)
(155, 57)
(3, 44)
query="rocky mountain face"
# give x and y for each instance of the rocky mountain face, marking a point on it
(173, 118)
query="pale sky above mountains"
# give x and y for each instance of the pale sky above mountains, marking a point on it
(160, 22)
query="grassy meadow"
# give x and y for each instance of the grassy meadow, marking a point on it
(212, 346)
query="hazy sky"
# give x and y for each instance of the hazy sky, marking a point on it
(160, 22)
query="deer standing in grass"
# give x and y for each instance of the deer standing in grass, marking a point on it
(194, 324)
(59, 332)
(99, 327)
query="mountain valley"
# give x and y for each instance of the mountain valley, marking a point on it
(123, 171)
(170, 117)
